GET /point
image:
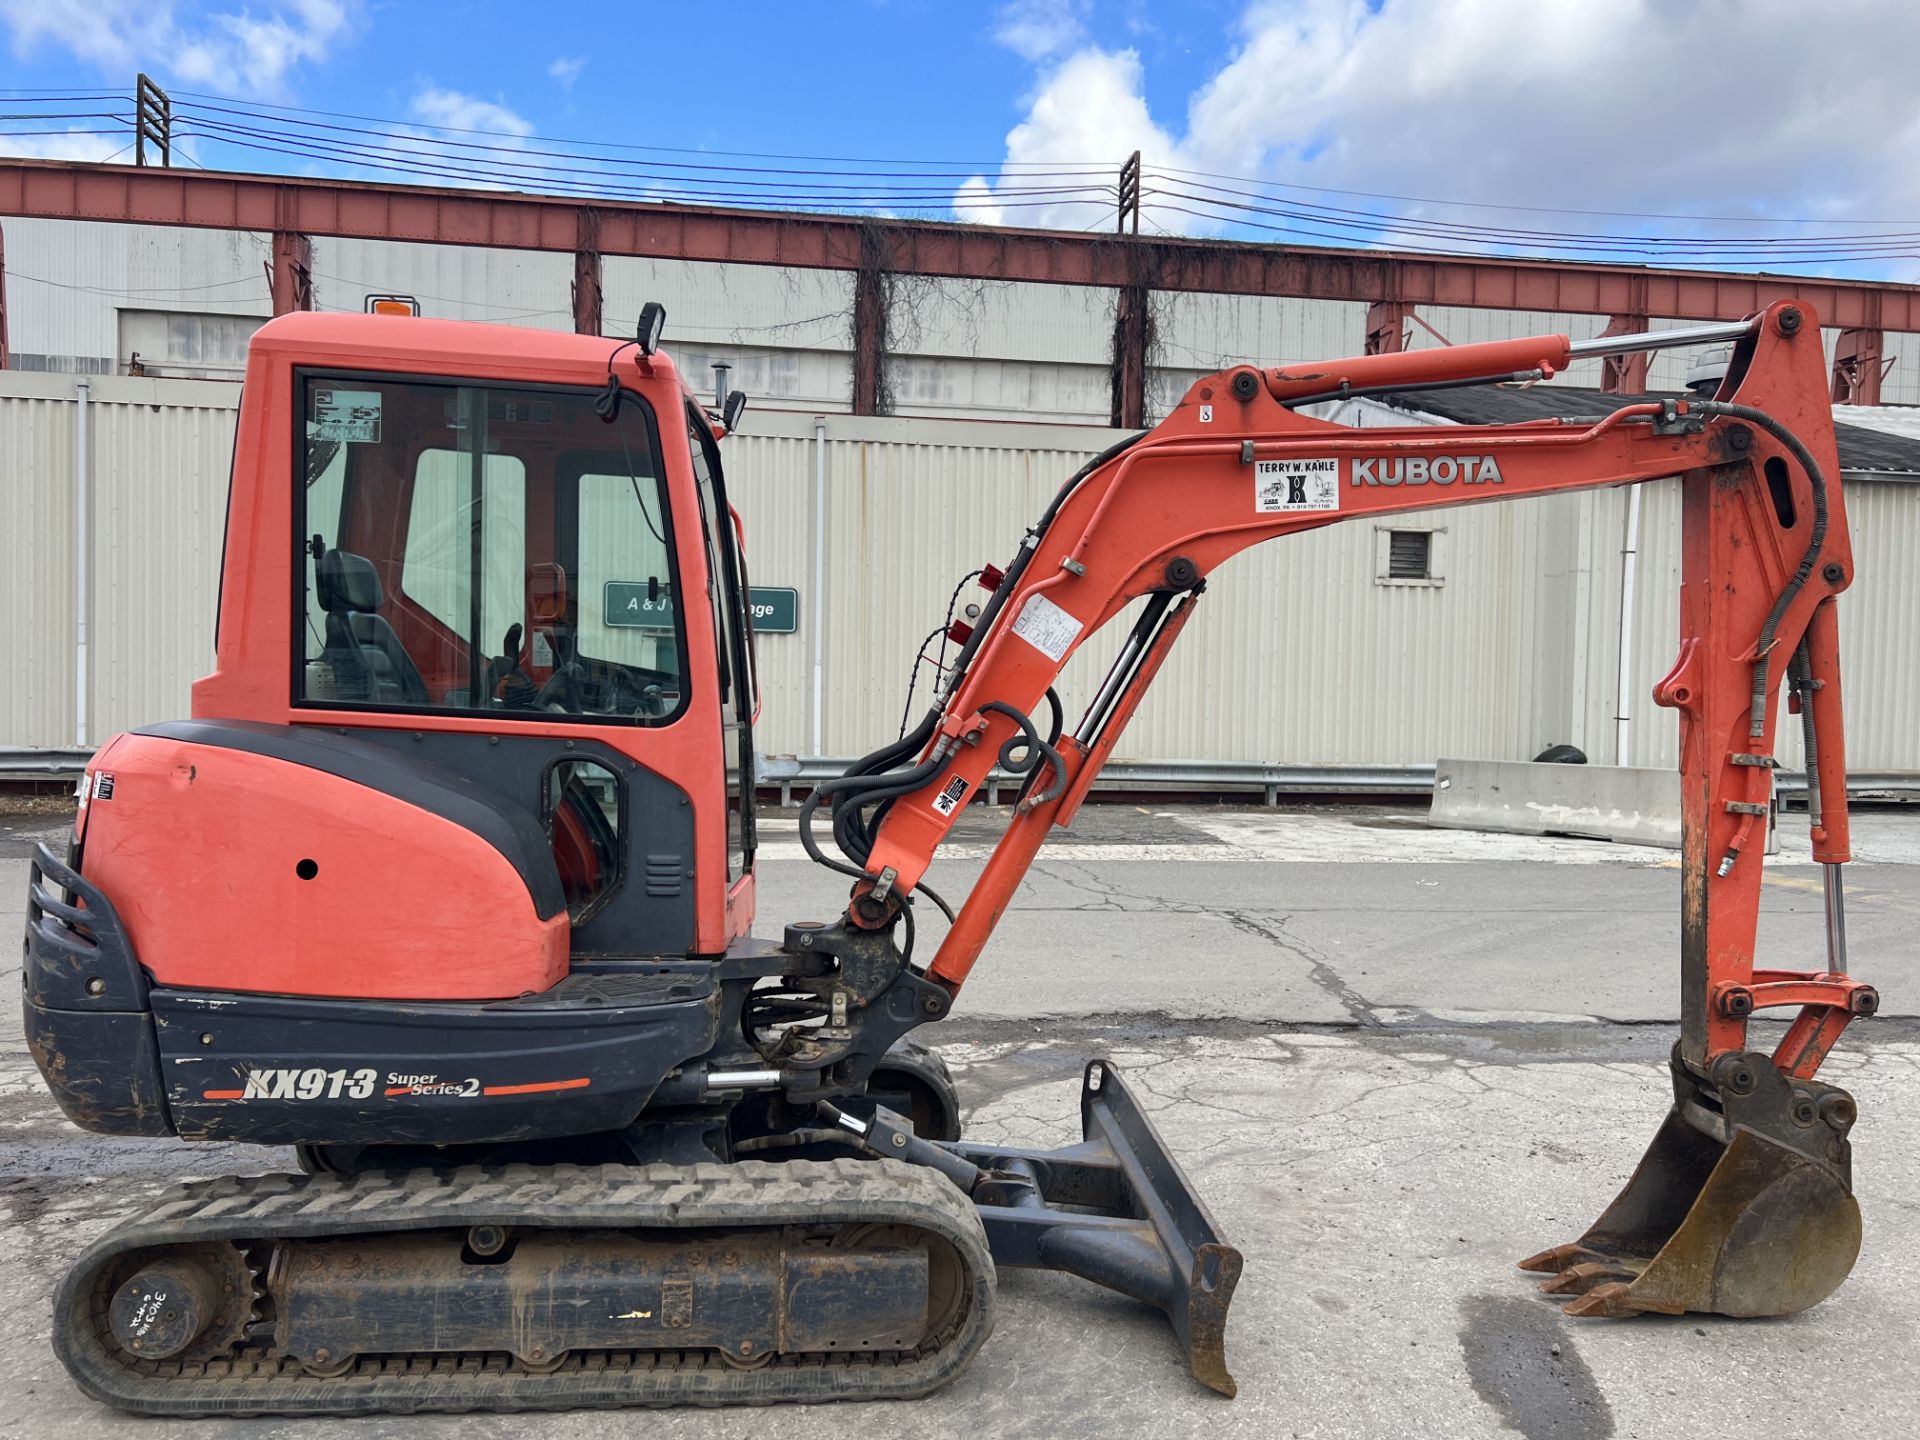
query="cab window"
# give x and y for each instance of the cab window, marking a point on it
(725, 600)
(484, 549)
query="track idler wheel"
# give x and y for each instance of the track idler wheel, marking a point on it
(1743, 1205)
(189, 1304)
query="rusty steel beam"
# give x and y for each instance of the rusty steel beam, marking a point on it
(1624, 374)
(870, 324)
(290, 272)
(1858, 367)
(65, 190)
(1387, 327)
(588, 293)
(1132, 321)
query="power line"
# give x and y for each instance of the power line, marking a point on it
(967, 165)
(500, 158)
(1768, 243)
(403, 160)
(1536, 209)
(1373, 226)
(400, 130)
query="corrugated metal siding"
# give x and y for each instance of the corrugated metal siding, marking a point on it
(160, 492)
(451, 282)
(789, 331)
(1296, 656)
(905, 522)
(66, 280)
(769, 481)
(160, 453)
(728, 304)
(36, 576)
(1066, 324)
(1901, 384)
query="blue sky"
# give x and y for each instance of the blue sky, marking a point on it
(884, 78)
(1633, 130)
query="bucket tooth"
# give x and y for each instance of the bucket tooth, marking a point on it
(1586, 1277)
(1743, 1204)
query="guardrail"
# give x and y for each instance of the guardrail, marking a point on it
(788, 773)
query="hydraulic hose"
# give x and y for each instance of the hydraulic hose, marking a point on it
(1045, 751)
(1816, 541)
(1056, 726)
(1800, 679)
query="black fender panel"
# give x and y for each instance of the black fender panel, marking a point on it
(585, 1056)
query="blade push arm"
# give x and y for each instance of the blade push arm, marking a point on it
(1765, 551)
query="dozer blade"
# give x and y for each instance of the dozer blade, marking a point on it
(1743, 1205)
(1118, 1210)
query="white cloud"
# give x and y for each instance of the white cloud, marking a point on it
(1088, 111)
(455, 111)
(1036, 29)
(974, 201)
(235, 52)
(425, 153)
(1777, 109)
(63, 147)
(566, 70)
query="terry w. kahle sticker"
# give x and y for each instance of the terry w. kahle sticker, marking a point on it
(1284, 486)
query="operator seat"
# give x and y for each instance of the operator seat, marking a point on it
(369, 662)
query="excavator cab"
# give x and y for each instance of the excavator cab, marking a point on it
(509, 554)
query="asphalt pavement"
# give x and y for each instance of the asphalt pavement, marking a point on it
(1394, 1061)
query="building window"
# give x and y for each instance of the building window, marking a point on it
(1407, 556)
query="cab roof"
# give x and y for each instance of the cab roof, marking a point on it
(458, 349)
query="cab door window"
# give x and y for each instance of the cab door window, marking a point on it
(725, 599)
(456, 552)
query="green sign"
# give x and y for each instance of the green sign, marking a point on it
(639, 605)
(635, 604)
(776, 609)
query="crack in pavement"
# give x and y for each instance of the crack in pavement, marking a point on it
(1319, 969)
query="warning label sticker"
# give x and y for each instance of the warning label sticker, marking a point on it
(1046, 627)
(950, 796)
(349, 415)
(1281, 486)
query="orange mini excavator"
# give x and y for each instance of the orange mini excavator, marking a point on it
(449, 884)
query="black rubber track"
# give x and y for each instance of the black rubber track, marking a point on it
(746, 1194)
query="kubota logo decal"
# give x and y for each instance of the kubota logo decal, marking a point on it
(1428, 470)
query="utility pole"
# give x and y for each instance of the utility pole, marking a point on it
(152, 120)
(1129, 197)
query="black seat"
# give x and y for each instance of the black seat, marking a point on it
(369, 662)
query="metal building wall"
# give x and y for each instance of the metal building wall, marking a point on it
(36, 578)
(1297, 655)
(162, 452)
(961, 349)
(1574, 672)
(159, 456)
(66, 282)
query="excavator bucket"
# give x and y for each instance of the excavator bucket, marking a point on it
(1743, 1204)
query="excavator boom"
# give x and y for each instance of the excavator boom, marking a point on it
(1756, 1149)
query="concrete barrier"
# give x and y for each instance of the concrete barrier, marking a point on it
(1602, 802)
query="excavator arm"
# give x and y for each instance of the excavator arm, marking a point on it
(1744, 1204)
